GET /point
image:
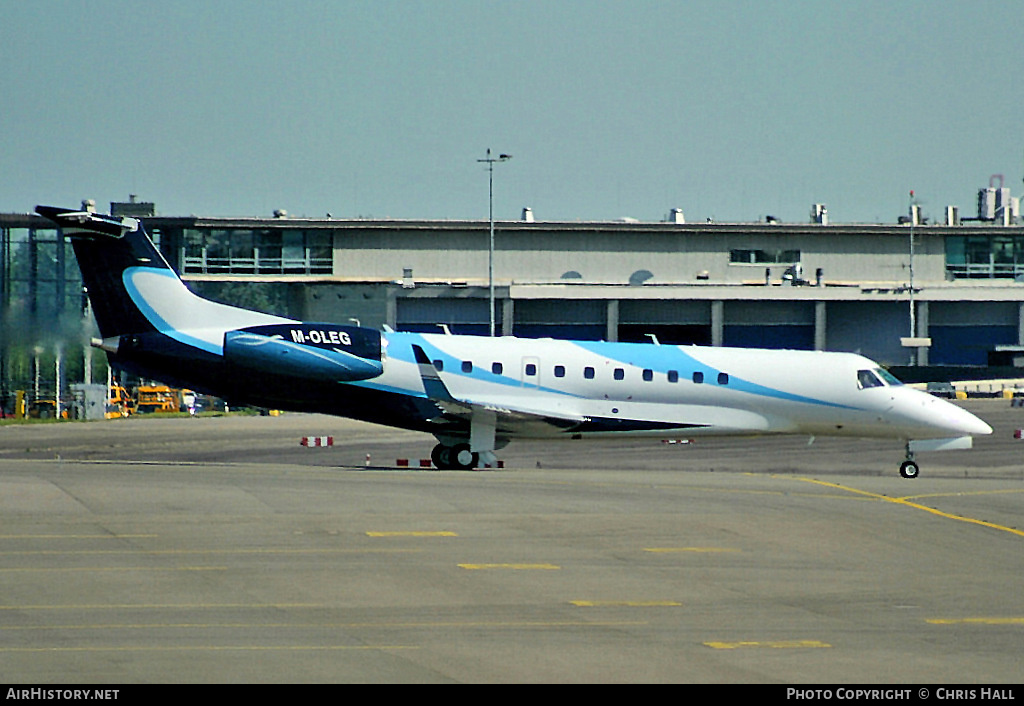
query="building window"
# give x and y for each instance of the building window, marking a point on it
(764, 257)
(985, 256)
(246, 251)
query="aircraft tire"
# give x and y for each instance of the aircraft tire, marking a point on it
(441, 456)
(909, 469)
(462, 457)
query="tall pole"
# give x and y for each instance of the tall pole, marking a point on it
(913, 309)
(913, 330)
(489, 161)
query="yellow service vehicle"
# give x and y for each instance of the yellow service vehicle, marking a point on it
(119, 404)
(157, 398)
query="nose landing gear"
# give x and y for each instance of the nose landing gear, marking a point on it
(909, 468)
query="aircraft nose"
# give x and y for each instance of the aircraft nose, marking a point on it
(957, 420)
(967, 423)
(928, 411)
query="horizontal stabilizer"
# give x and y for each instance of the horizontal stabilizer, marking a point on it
(88, 221)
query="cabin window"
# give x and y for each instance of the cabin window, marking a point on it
(496, 368)
(588, 373)
(673, 376)
(648, 375)
(723, 378)
(531, 369)
(559, 371)
(866, 379)
(467, 366)
(698, 377)
(439, 365)
(619, 374)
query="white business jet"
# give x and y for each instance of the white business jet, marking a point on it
(475, 394)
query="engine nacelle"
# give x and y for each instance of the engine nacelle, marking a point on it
(321, 352)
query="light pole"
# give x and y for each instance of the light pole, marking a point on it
(489, 161)
(913, 310)
(914, 342)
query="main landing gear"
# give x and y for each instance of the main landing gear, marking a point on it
(909, 468)
(454, 458)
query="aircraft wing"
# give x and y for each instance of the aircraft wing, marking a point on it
(507, 413)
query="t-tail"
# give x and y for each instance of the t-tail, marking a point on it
(111, 252)
(149, 322)
(152, 325)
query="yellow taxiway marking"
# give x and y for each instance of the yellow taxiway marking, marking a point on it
(412, 534)
(696, 550)
(777, 644)
(918, 506)
(999, 491)
(509, 566)
(975, 621)
(629, 604)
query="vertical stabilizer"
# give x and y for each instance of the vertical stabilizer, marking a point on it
(108, 250)
(135, 293)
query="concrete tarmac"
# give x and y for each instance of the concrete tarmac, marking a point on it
(221, 551)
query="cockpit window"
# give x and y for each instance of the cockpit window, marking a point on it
(867, 378)
(889, 378)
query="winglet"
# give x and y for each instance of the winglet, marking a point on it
(432, 383)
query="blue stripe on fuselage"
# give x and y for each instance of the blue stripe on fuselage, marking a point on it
(661, 359)
(453, 365)
(658, 358)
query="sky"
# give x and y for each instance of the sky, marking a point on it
(727, 109)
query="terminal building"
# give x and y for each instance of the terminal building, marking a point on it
(959, 282)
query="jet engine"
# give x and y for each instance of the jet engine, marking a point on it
(320, 352)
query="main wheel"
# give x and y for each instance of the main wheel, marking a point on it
(909, 469)
(441, 456)
(462, 457)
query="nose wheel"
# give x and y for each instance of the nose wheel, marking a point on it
(909, 468)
